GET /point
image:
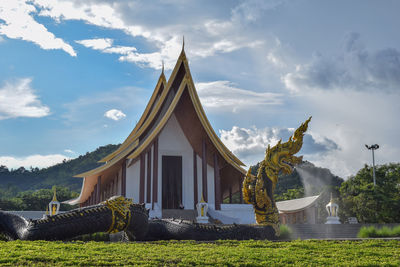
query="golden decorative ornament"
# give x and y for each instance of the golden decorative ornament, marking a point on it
(121, 213)
(259, 190)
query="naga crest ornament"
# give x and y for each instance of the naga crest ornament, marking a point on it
(259, 190)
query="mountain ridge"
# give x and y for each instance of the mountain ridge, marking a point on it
(60, 174)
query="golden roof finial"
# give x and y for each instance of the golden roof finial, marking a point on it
(202, 199)
(162, 70)
(54, 196)
(183, 43)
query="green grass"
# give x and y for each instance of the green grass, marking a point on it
(379, 232)
(219, 253)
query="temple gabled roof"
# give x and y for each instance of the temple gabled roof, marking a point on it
(135, 143)
(160, 108)
(294, 205)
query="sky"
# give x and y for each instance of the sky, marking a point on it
(76, 75)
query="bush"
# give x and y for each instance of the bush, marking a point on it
(285, 232)
(385, 231)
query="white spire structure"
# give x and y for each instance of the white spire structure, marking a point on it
(54, 205)
(333, 209)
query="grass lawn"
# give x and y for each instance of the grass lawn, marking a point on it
(252, 253)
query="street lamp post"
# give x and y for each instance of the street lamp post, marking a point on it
(373, 147)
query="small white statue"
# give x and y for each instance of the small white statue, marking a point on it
(202, 208)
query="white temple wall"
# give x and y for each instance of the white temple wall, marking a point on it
(210, 181)
(210, 186)
(132, 181)
(172, 142)
(145, 175)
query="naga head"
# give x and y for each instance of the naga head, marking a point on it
(280, 158)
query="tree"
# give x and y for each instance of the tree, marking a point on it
(37, 200)
(290, 194)
(369, 203)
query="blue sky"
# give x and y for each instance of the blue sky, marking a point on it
(75, 75)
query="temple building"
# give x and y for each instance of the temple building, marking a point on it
(172, 158)
(298, 211)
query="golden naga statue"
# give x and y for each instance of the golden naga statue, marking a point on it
(259, 190)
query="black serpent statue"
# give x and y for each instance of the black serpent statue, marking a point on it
(121, 214)
(114, 215)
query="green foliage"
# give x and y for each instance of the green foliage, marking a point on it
(369, 203)
(37, 200)
(189, 253)
(285, 232)
(290, 194)
(385, 231)
(61, 174)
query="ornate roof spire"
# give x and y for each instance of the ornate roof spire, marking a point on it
(183, 43)
(54, 196)
(162, 70)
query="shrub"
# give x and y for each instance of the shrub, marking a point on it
(285, 232)
(385, 231)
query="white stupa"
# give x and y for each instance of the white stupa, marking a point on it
(333, 209)
(202, 208)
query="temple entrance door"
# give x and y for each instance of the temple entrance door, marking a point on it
(171, 182)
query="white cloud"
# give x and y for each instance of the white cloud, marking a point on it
(97, 44)
(223, 95)
(39, 161)
(18, 99)
(167, 53)
(20, 24)
(250, 144)
(114, 114)
(69, 151)
(105, 45)
(163, 32)
(252, 10)
(356, 68)
(352, 119)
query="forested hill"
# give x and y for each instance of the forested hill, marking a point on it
(61, 174)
